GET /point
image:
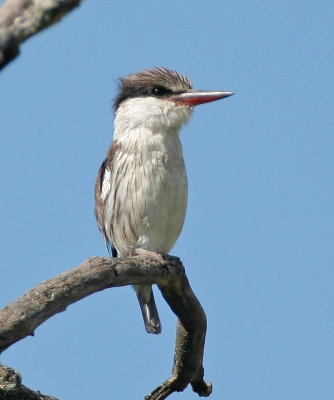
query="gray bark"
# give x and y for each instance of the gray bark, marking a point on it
(21, 317)
(20, 19)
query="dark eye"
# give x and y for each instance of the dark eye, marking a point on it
(159, 91)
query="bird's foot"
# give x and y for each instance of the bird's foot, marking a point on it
(147, 253)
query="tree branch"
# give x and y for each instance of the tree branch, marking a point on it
(21, 317)
(11, 387)
(20, 19)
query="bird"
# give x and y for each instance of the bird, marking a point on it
(141, 189)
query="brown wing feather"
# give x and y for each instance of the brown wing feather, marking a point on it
(99, 204)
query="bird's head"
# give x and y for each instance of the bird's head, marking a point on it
(159, 98)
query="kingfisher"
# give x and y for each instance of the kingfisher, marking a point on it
(142, 188)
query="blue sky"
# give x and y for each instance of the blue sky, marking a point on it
(258, 239)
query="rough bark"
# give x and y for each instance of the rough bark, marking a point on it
(21, 317)
(11, 387)
(20, 19)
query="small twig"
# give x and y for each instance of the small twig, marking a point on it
(11, 387)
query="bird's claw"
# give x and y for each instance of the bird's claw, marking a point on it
(147, 253)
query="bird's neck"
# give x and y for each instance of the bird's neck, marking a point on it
(142, 139)
(145, 123)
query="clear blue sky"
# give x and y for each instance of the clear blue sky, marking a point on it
(258, 239)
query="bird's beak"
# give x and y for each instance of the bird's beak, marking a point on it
(195, 97)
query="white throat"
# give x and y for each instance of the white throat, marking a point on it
(139, 118)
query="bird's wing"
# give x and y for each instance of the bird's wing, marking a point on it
(102, 189)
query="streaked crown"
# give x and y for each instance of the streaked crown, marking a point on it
(157, 82)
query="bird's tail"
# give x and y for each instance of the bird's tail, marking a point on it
(148, 308)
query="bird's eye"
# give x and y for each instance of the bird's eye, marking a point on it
(155, 91)
(159, 91)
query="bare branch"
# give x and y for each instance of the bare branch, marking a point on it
(20, 19)
(21, 317)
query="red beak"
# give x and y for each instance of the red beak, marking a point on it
(195, 97)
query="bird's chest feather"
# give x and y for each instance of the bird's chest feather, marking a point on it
(150, 189)
(167, 185)
(159, 184)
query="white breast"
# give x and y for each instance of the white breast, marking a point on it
(166, 199)
(147, 200)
